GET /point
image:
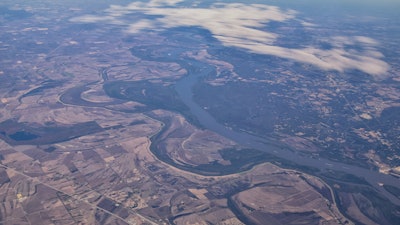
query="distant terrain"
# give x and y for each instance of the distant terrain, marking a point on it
(199, 112)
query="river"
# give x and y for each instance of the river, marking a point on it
(184, 88)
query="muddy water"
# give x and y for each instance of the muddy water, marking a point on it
(184, 89)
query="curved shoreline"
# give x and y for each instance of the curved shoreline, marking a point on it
(184, 89)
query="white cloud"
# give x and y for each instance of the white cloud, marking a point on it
(241, 25)
(307, 24)
(97, 19)
(141, 25)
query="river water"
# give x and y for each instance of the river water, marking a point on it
(184, 89)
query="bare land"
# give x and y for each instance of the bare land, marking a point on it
(72, 154)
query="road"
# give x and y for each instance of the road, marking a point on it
(37, 181)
